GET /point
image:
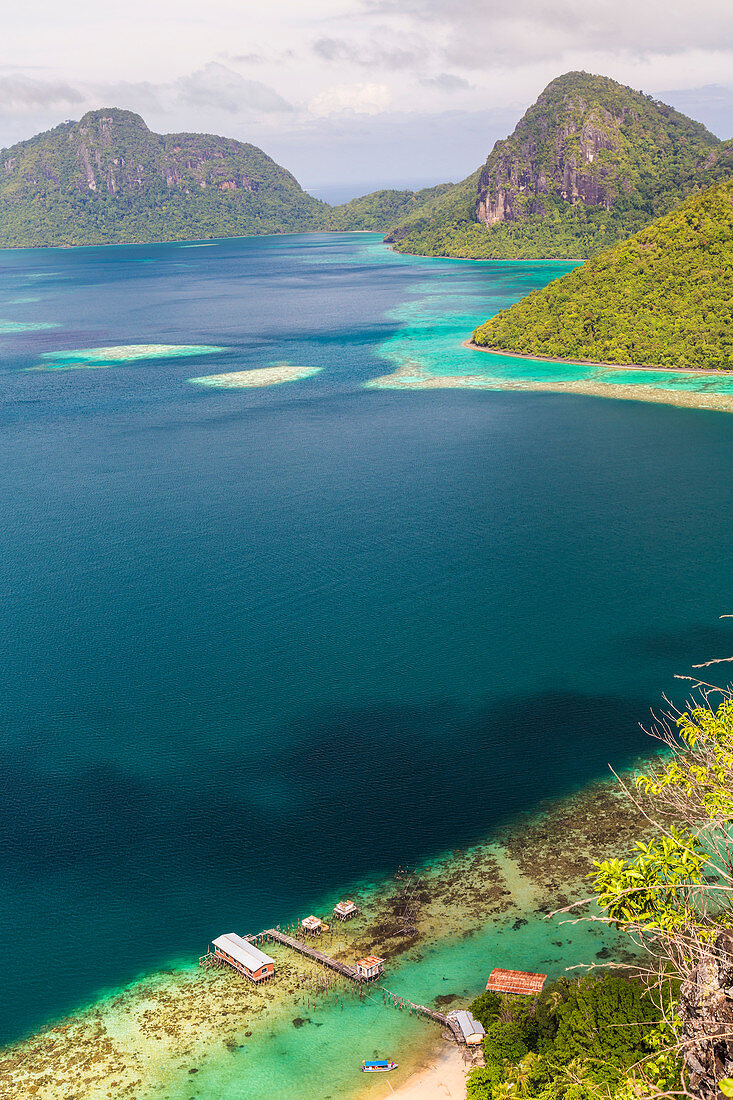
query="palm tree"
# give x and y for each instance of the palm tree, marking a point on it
(523, 1074)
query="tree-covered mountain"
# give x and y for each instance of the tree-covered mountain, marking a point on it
(664, 297)
(109, 179)
(591, 162)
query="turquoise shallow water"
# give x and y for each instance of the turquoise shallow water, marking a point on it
(258, 644)
(321, 1058)
(436, 322)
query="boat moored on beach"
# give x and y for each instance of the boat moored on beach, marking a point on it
(378, 1067)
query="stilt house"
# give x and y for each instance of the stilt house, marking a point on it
(471, 1029)
(369, 968)
(344, 910)
(244, 957)
(515, 981)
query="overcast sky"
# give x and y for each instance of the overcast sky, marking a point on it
(353, 92)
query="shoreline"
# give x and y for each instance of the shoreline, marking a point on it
(182, 240)
(478, 905)
(411, 376)
(443, 1075)
(490, 259)
(287, 233)
(694, 371)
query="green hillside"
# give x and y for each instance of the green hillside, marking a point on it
(381, 209)
(664, 297)
(455, 203)
(108, 179)
(590, 163)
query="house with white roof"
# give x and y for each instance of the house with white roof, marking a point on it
(244, 957)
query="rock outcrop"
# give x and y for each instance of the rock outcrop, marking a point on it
(706, 1008)
(586, 140)
(574, 173)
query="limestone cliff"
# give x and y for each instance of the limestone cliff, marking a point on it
(588, 140)
(589, 163)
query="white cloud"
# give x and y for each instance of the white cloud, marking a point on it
(477, 32)
(25, 93)
(214, 87)
(218, 86)
(377, 53)
(446, 82)
(360, 99)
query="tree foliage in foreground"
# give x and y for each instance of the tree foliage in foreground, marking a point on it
(674, 895)
(662, 298)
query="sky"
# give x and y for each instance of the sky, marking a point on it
(353, 93)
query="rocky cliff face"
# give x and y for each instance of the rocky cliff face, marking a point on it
(574, 172)
(113, 151)
(589, 164)
(586, 140)
(706, 1008)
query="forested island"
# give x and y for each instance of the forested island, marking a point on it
(108, 179)
(662, 298)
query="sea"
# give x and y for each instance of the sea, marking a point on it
(260, 642)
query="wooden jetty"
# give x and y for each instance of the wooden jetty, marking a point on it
(422, 1010)
(352, 974)
(349, 972)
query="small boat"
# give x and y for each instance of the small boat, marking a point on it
(378, 1067)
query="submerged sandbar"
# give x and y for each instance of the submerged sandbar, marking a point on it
(260, 376)
(412, 375)
(7, 328)
(80, 358)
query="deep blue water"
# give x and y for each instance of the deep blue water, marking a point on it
(257, 644)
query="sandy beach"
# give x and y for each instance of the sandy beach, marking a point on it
(591, 363)
(443, 1076)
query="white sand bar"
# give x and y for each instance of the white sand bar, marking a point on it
(262, 376)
